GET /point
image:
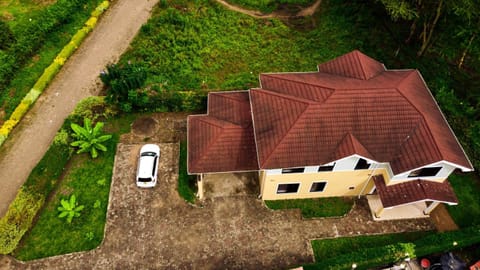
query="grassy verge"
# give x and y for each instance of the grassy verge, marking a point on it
(186, 183)
(328, 248)
(322, 207)
(467, 189)
(89, 179)
(26, 76)
(268, 6)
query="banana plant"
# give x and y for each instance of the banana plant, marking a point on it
(89, 139)
(70, 208)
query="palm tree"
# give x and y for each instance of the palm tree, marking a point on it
(89, 139)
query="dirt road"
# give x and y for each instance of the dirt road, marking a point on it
(78, 79)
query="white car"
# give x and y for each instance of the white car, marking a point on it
(148, 166)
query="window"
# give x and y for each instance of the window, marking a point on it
(362, 164)
(424, 172)
(318, 186)
(293, 170)
(287, 188)
(326, 168)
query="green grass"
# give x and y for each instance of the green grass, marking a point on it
(15, 11)
(26, 76)
(328, 248)
(89, 179)
(268, 6)
(467, 189)
(209, 47)
(321, 207)
(186, 183)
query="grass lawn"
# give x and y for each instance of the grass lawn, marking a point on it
(186, 183)
(328, 248)
(89, 179)
(26, 76)
(467, 189)
(202, 45)
(321, 207)
(268, 6)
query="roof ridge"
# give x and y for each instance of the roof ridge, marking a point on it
(410, 73)
(353, 137)
(332, 90)
(357, 54)
(284, 135)
(290, 97)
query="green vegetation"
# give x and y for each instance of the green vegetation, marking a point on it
(90, 180)
(467, 189)
(267, 6)
(89, 139)
(69, 208)
(374, 251)
(321, 207)
(186, 183)
(328, 248)
(36, 43)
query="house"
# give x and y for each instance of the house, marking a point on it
(351, 128)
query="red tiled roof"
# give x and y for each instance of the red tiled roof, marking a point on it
(391, 116)
(353, 105)
(222, 140)
(413, 191)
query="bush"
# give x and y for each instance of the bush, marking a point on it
(100, 9)
(18, 219)
(47, 76)
(446, 241)
(21, 109)
(6, 36)
(93, 107)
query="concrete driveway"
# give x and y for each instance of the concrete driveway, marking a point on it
(156, 229)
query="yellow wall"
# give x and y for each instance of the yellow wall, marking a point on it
(338, 183)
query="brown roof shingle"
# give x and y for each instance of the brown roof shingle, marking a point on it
(414, 191)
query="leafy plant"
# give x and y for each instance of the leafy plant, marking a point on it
(89, 139)
(70, 208)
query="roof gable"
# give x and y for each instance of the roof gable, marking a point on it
(354, 64)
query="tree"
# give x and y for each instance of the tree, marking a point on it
(89, 139)
(70, 208)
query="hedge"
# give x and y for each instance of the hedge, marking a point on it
(378, 256)
(31, 196)
(50, 72)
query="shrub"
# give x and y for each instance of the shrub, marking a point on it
(88, 138)
(7, 127)
(68, 50)
(21, 109)
(93, 107)
(31, 96)
(6, 36)
(70, 208)
(18, 219)
(91, 22)
(47, 76)
(100, 9)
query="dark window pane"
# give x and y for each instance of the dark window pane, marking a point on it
(318, 186)
(362, 164)
(327, 168)
(425, 172)
(293, 170)
(287, 188)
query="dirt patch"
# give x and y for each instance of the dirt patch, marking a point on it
(146, 126)
(284, 12)
(231, 184)
(442, 219)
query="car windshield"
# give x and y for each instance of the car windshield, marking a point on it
(144, 179)
(148, 154)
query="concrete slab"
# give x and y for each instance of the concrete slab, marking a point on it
(414, 210)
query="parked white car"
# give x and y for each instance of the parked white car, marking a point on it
(148, 166)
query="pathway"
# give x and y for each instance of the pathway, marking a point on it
(78, 79)
(307, 11)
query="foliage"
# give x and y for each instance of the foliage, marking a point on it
(122, 81)
(89, 139)
(31, 34)
(94, 108)
(321, 207)
(467, 188)
(186, 183)
(375, 251)
(268, 6)
(70, 208)
(18, 219)
(90, 179)
(327, 248)
(6, 36)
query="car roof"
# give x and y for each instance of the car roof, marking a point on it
(146, 163)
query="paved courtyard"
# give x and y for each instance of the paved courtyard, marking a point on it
(156, 229)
